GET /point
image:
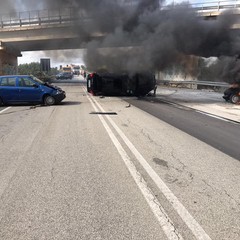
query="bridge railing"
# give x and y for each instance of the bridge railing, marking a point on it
(216, 5)
(40, 17)
(67, 15)
(210, 5)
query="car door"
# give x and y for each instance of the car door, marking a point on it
(29, 90)
(8, 89)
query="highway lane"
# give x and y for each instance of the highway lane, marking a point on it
(222, 135)
(204, 179)
(56, 182)
(64, 175)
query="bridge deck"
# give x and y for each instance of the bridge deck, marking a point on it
(69, 15)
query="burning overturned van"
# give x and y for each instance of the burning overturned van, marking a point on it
(111, 84)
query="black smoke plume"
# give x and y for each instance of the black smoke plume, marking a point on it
(135, 35)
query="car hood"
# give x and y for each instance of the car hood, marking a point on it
(52, 86)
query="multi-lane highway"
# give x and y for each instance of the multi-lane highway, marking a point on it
(99, 167)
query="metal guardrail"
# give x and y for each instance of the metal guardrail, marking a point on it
(216, 5)
(39, 17)
(68, 15)
(204, 83)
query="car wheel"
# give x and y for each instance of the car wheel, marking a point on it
(49, 100)
(234, 98)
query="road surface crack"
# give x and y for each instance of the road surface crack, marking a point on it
(179, 174)
(53, 169)
(224, 192)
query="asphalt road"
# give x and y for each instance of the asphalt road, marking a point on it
(222, 135)
(98, 168)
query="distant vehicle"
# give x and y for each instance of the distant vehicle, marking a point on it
(139, 84)
(76, 69)
(64, 75)
(28, 89)
(67, 69)
(232, 94)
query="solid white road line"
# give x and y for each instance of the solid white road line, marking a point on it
(202, 112)
(5, 109)
(189, 220)
(217, 117)
(162, 217)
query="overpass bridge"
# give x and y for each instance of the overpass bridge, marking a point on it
(42, 30)
(66, 28)
(45, 29)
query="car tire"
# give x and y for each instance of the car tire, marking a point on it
(234, 98)
(49, 100)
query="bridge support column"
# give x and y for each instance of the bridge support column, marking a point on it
(8, 59)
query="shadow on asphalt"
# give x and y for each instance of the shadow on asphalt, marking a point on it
(41, 105)
(66, 103)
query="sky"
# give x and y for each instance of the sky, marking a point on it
(59, 57)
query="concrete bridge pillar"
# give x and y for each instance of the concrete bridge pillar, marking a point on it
(8, 59)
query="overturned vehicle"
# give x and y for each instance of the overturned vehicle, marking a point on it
(111, 84)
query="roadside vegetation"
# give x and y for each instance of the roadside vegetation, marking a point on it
(34, 69)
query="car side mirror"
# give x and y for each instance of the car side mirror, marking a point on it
(35, 85)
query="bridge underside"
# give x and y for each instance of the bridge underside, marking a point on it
(50, 44)
(15, 41)
(48, 38)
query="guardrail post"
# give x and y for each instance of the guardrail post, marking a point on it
(39, 19)
(60, 17)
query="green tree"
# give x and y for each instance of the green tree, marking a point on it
(34, 69)
(29, 68)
